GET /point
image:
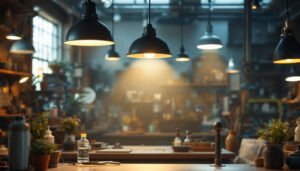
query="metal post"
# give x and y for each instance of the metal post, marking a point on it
(247, 32)
(218, 161)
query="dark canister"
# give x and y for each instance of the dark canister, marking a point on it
(18, 144)
(293, 160)
(273, 156)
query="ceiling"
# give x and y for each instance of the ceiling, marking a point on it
(168, 10)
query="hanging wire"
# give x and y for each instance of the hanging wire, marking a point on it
(112, 18)
(181, 11)
(149, 12)
(209, 10)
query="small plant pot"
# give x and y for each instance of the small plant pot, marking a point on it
(54, 159)
(273, 156)
(40, 162)
(259, 161)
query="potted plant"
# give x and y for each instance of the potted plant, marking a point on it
(70, 125)
(275, 135)
(40, 151)
(40, 148)
(56, 66)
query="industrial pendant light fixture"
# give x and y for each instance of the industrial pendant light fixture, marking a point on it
(149, 46)
(209, 40)
(255, 4)
(292, 76)
(232, 67)
(182, 56)
(13, 36)
(287, 50)
(89, 31)
(111, 54)
(23, 46)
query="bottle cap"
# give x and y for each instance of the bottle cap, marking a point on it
(83, 135)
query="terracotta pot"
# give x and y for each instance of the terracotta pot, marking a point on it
(54, 159)
(273, 156)
(232, 142)
(40, 162)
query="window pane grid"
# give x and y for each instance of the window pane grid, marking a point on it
(46, 42)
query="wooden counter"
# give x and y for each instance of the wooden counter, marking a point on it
(157, 167)
(154, 154)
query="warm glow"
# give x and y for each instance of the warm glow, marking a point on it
(12, 37)
(254, 7)
(182, 59)
(292, 79)
(210, 46)
(287, 61)
(22, 51)
(149, 55)
(233, 71)
(112, 58)
(23, 80)
(89, 42)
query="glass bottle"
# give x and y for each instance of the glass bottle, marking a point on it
(187, 137)
(177, 140)
(83, 149)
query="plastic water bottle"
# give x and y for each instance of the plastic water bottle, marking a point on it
(83, 149)
(18, 144)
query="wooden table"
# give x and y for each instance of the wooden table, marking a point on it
(154, 154)
(157, 167)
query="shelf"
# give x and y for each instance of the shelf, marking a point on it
(13, 73)
(187, 85)
(11, 115)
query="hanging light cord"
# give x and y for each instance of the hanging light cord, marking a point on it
(209, 26)
(112, 18)
(149, 12)
(181, 10)
(287, 15)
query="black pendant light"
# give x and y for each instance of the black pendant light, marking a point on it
(149, 46)
(292, 76)
(111, 54)
(287, 50)
(23, 46)
(13, 36)
(232, 67)
(182, 56)
(209, 40)
(89, 31)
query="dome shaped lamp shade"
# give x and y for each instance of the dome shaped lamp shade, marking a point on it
(13, 36)
(209, 41)
(287, 50)
(292, 76)
(22, 46)
(149, 46)
(232, 67)
(112, 55)
(89, 31)
(182, 56)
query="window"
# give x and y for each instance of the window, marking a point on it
(46, 41)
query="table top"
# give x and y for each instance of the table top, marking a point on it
(156, 167)
(156, 153)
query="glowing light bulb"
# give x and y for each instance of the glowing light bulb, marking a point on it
(23, 80)
(149, 55)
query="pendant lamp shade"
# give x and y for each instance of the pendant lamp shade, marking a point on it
(292, 76)
(112, 55)
(149, 46)
(182, 56)
(89, 31)
(209, 41)
(13, 36)
(232, 67)
(22, 46)
(287, 50)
